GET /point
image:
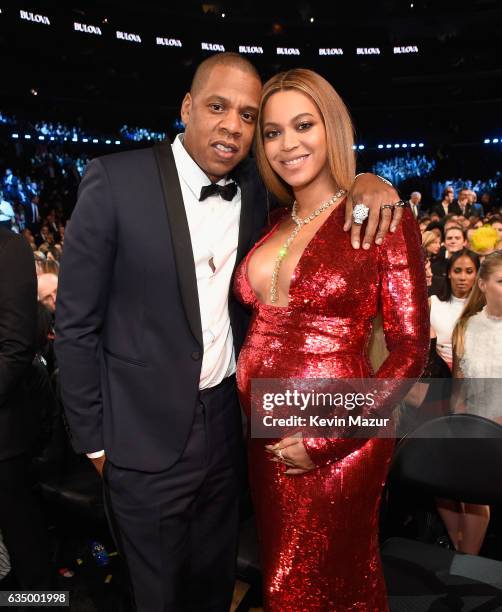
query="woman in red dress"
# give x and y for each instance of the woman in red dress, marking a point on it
(313, 299)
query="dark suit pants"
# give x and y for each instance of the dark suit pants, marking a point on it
(177, 529)
(23, 528)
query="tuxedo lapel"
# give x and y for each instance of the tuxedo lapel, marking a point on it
(246, 217)
(180, 235)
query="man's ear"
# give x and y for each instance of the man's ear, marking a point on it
(186, 107)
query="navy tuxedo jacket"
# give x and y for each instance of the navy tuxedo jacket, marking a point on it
(128, 329)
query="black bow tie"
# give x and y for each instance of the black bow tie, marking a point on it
(227, 192)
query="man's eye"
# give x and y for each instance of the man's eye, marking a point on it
(216, 107)
(249, 117)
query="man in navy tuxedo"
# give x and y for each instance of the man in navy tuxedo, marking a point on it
(148, 332)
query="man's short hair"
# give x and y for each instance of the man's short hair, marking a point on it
(230, 59)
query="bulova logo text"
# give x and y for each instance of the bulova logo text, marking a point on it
(34, 17)
(332, 51)
(368, 51)
(128, 36)
(168, 42)
(212, 47)
(88, 29)
(246, 49)
(408, 49)
(288, 51)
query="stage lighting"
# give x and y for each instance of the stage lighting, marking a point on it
(74, 139)
(95, 140)
(396, 146)
(311, 20)
(389, 146)
(108, 142)
(380, 146)
(404, 146)
(27, 137)
(85, 140)
(413, 145)
(486, 141)
(15, 135)
(420, 144)
(117, 142)
(52, 138)
(361, 147)
(34, 92)
(223, 15)
(41, 138)
(354, 147)
(495, 140)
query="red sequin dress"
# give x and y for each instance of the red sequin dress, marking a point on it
(318, 532)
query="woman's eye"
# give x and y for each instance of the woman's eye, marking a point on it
(305, 125)
(271, 134)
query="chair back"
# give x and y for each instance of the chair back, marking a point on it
(458, 457)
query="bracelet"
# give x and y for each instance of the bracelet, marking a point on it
(386, 181)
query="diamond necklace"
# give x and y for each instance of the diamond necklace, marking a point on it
(299, 224)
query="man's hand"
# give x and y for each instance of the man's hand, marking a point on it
(371, 191)
(99, 464)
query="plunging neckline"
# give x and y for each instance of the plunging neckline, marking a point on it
(294, 275)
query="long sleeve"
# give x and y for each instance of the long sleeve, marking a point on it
(405, 315)
(86, 270)
(18, 308)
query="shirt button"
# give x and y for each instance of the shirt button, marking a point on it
(196, 355)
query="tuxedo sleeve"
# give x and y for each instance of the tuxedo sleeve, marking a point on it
(84, 281)
(18, 312)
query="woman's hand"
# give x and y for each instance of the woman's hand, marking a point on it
(291, 451)
(373, 192)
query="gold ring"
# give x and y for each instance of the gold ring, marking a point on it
(384, 206)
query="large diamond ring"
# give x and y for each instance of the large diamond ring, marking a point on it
(400, 204)
(360, 213)
(384, 206)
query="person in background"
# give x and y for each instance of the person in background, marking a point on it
(414, 203)
(431, 244)
(476, 207)
(455, 240)
(477, 364)
(47, 290)
(446, 309)
(447, 204)
(7, 214)
(21, 522)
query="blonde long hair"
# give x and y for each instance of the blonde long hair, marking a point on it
(337, 122)
(475, 302)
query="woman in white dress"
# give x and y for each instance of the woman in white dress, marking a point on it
(446, 309)
(477, 360)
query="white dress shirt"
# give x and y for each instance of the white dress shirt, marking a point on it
(214, 234)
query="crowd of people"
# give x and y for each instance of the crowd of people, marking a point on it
(139, 450)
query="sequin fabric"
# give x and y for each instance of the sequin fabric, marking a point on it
(319, 532)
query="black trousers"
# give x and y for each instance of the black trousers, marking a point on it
(177, 529)
(23, 529)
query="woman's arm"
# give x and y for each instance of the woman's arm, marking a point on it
(405, 314)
